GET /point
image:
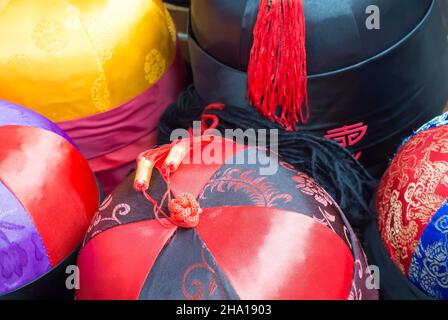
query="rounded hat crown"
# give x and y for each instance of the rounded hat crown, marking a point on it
(336, 32)
(413, 209)
(48, 195)
(72, 59)
(273, 234)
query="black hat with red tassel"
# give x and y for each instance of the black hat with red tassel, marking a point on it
(277, 82)
(365, 73)
(327, 80)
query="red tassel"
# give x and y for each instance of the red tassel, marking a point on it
(277, 82)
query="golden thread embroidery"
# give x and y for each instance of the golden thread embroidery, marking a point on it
(103, 42)
(400, 236)
(421, 196)
(155, 66)
(100, 94)
(49, 35)
(417, 182)
(171, 27)
(101, 37)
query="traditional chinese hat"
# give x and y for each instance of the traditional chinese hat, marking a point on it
(48, 196)
(200, 220)
(413, 209)
(364, 73)
(104, 71)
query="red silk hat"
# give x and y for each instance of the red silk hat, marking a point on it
(48, 195)
(201, 221)
(413, 209)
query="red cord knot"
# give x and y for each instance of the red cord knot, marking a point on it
(185, 210)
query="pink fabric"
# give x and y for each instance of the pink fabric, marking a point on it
(112, 168)
(112, 140)
(103, 133)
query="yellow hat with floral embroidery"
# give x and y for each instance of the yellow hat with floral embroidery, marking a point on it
(68, 59)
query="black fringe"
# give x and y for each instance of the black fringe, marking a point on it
(331, 165)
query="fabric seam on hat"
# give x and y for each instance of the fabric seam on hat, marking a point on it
(32, 220)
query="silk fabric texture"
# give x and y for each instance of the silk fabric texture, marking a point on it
(43, 178)
(247, 218)
(71, 59)
(368, 89)
(111, 140)
(104, 71)
(412, 208)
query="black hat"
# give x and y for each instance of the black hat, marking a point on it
(182, 3)
(366, 88)
(377, 69)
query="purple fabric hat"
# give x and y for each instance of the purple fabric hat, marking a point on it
(13, 114)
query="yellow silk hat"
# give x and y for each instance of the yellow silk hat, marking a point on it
(103, 70)
(68, 59)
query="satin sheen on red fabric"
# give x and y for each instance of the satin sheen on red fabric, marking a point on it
(268, 253)
(411, 191)
(182, 181)
(54, 184)
(246, 244)
(115, 264)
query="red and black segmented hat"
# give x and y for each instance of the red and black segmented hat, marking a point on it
(48, 195)
(365, 88)
(278, 236)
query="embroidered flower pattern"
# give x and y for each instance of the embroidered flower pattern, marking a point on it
(100, 93)
(103, 215)
(192, 286)
(50, 35)
(13, 259)
(308, 186)
(155, 66)
(260, 191)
